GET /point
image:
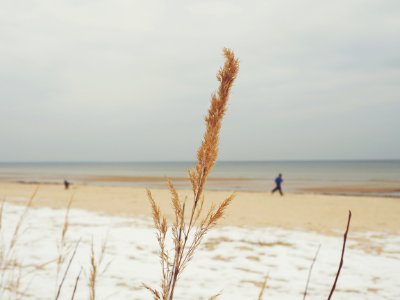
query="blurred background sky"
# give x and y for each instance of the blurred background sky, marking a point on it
(128, 80)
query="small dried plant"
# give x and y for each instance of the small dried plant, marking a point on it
(192, 224)
(96, 263)
(10, 266)
(65, 248)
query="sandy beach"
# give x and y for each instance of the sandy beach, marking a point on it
(325, 214)
(261, 234)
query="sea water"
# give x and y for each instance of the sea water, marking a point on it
(241, 175)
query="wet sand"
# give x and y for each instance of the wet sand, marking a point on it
(325, 214)
(388, 188)
(361, 189)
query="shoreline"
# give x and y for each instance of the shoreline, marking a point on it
(326, 214)
(386, 189)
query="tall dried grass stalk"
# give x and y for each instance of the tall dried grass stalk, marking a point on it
(310, 271)
(263, 287)
(93, 275)
(66, 271)
(190, 224)
(62, 246)
(17, 229)
(342, 256)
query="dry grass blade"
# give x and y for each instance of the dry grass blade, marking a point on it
(342, 256)
(66, 223)
(76, 285)
(176, 203)
(208, 222)
(93, 274)
(219, 212)
(199, 210)
(214, 297)
(62, 245)
(66, 271)
(20, 221)
(155, 209)
(309, 272)
(155, 293)
(160, 223)
(263, 287)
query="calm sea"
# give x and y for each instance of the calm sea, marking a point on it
(259, 175)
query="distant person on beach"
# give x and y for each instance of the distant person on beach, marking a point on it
(278, 182)
(66, 184)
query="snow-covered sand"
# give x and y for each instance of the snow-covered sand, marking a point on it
(232, 260)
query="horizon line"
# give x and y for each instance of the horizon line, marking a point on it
(193, 161)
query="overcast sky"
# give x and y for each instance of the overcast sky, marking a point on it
(128, 80)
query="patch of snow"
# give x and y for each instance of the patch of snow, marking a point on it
(231, 260)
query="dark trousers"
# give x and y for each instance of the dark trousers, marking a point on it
(277, 188)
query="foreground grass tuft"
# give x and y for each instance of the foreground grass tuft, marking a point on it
(191, 221)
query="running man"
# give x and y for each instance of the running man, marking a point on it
(278, 182)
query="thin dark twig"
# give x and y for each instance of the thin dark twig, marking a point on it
(309, 272)
(76, 284)
(66, 271)
(341, 259)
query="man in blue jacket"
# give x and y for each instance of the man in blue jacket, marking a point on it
(278, 182)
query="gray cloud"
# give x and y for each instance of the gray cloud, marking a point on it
(131, 80)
